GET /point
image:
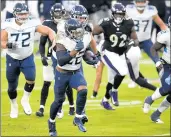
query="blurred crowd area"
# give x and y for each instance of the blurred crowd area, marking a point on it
(97, 9)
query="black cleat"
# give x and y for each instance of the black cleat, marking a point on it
(52, 128)
(71, 111)
(40, 112)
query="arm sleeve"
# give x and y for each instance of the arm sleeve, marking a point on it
(43, 40)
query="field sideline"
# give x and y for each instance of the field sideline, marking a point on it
(126, 120)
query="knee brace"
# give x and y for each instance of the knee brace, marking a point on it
(28, 87)
(12, 94)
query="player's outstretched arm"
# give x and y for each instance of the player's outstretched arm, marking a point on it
(159, 22)
(44, 30)
(157, 46)
(4, 39)
(97, 30)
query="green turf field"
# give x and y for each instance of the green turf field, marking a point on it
(126, 120)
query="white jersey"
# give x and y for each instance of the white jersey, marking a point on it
(70, 44)
(163, 37)
(23, 35)
(143, 22)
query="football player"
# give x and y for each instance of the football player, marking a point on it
(17, 35)
(58, 14)
(69, 51)
(164, 67)
(117, 51)
(143, 16)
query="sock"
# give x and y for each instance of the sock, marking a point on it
(108, 89)
(44, 92)
(164, 105)
(14, 101)
(117, 81)
(156, 95)
(69, 93)
(81, 101)
(105, 99)
(12, 94)
(115, 94)
(52, 120)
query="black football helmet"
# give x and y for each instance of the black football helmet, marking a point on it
(21, 12)
(118, 12)
(57, 12)
(74, 29)
(80, 13)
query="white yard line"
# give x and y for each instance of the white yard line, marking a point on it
(95, 105)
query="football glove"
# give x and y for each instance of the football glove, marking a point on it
(44, 61)
(12, 45)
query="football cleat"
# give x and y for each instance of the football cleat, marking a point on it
(40, 112)
(147, 103)
(155, 117)
(114, 98)
(78, 122)
(71, 111)
(26, 106)
(14, 111)
(106, 105)
(52, 129)
(60, 114)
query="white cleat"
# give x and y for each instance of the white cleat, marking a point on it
(146, 108)
(60, 114)
(159, 121)
(14, 111)
(132, 84)
(92, 97)
(26, 106)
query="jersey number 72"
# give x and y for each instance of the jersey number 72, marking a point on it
(24, 38)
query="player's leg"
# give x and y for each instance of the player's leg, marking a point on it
(59, 91)
(27, 67)
(115, 62)
(69, 93)
(132, 60)
(165, 104)
(162, 91)
(12, 75)
(99, 72)
(48, 76)
(78, 82)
